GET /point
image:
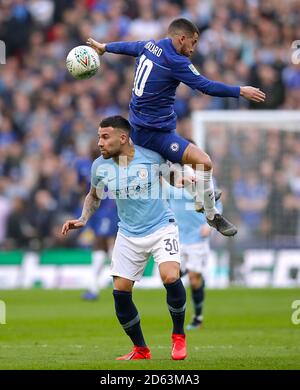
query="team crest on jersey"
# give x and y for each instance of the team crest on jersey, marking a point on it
(174, 147)
(194, 70)
(143, 173)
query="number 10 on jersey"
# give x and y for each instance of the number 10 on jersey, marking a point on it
(142, 73)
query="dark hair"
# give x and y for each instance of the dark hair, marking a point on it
(183, 25)
(116, 121)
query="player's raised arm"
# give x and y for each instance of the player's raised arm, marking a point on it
(91, 204)
(185, 72)
(99, 47)
(252, 93)
(128, 48)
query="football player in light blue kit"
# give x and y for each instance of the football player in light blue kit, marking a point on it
(147, 227)
(194, 246)
(160, 67)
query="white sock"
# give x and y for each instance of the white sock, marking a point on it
(205, 192)
(187, 171)
(98, 258)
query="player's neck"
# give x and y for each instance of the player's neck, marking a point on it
(176, 44)
(126, 155)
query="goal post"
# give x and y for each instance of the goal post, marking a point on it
(256, 159)
(288, 119)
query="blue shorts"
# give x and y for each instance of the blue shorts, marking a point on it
(169, 145)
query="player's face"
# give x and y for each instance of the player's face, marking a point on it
(189, 44)
(109, 142)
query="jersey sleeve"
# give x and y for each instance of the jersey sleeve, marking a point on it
(96, 179)
(128, 48)
(185, 72)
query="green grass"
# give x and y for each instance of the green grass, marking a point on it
(244, 329)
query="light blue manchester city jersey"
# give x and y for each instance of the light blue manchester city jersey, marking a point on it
(188, 220)
(137, 190)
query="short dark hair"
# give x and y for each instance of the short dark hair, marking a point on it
(183, 25)
(116, 121)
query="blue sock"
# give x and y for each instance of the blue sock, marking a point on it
(198, 299)
(128, 316)
(176, 300)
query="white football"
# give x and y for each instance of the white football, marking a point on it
(83, 62)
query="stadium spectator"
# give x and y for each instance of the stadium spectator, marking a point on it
(51, 116)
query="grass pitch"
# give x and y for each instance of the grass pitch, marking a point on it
(243, 329)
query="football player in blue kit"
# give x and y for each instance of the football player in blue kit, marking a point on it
(160, 67)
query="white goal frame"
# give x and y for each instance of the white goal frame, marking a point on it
(271, 119)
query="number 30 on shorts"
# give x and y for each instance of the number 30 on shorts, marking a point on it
(171, 245)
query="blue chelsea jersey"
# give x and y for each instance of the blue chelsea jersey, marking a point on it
(137, 190)
(189, 221)
(159, 70)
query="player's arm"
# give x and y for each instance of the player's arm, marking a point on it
(91, 204)
(185, 72)
(128, 48)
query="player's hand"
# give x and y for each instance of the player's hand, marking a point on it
(254, 94)
(72, 224)
(99, 47)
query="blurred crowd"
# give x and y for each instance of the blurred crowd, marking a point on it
(259, 171)
(48, 121)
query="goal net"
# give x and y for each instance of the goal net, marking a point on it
(256, 159)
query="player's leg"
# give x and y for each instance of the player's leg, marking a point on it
(176, 296)
(166, 254)
(105, 226)
(100, 224)
(203, 173)
(197, 257)
(197, 285)
(168, 144)
(98, 259)
(176, 301)
(205, 192)
(177, 149)
(127, 267)
(129, 318)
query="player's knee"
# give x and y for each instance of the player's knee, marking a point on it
(170, 278)
(207, 163)
(204, 159)
(195, 284)
(169, 272)
(122, 284)
(195, 156)
(195, 280)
